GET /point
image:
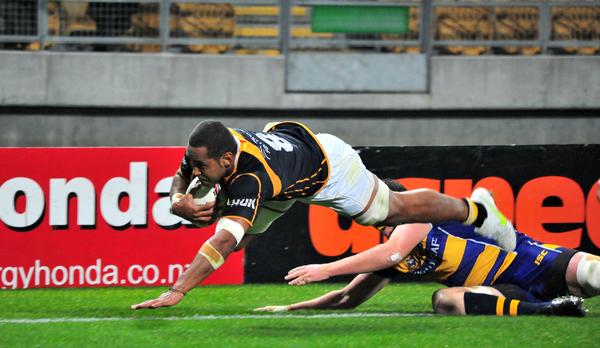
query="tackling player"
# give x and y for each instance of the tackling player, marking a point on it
(482, 278)
(264, 173)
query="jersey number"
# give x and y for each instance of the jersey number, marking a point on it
(276, 142)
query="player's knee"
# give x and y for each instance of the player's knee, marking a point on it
(588, 275)
(443, 302)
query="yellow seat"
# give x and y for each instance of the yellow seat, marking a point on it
(463, 23)
(272, 11)
(576, 23)
(76, 18)
(517, 23)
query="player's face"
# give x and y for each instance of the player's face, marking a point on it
(209, 170)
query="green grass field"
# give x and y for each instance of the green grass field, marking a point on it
(222, 317)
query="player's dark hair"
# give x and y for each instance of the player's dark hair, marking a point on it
(214, 136)
(394, 185)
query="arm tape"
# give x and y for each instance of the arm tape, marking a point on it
(176, 197)
(232, 227)
(213, 256)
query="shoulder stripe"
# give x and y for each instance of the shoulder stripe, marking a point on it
(251, 149)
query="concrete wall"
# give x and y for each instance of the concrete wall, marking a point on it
(112, 128)
(258, 82)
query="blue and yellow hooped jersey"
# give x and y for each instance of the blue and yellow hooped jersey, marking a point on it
(283, 162)
(454, 255)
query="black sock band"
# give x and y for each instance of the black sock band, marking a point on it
(493, 305)
(480, 303)
(481, 215)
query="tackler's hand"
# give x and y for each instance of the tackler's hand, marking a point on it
(307, 274)
(272, 309)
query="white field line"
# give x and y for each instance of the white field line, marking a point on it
(214, 317)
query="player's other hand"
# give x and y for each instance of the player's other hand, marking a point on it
(307, 274)
(272, 309)
(167, 299)
(187, 209)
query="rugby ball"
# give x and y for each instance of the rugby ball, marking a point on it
(203, 194)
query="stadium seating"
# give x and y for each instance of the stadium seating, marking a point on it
(506, 22)
(262, 22)
(204, 21)
(516, 23)
(413, 34)
(463, 23)
(76, 19)
(145, 23)
(576, 23)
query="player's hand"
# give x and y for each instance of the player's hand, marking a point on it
(307, 274)
(598, 191)
(187, 209)
(272, 309)
(167, 299)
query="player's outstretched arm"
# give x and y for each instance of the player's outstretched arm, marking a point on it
(401, 242)
(360, 289)
(211, 255)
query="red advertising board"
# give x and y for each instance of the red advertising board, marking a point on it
(548, 191)
(77, 217)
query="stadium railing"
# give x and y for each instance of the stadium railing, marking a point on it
(274, 27)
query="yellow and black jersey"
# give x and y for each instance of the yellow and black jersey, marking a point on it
(284, 162)
(454, 255)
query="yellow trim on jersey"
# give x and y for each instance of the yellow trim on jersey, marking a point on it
(253, 150)
(310, 177)
(455, 250)
(272, 125)
(483, 265)
(500, 306)
(510, 256)
(514, 304)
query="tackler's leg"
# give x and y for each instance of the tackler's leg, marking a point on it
(484, 300)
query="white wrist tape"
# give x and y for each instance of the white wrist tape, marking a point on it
(232, 227)
(213, 256)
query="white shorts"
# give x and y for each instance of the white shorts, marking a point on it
(350, 185)
(348, 190)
